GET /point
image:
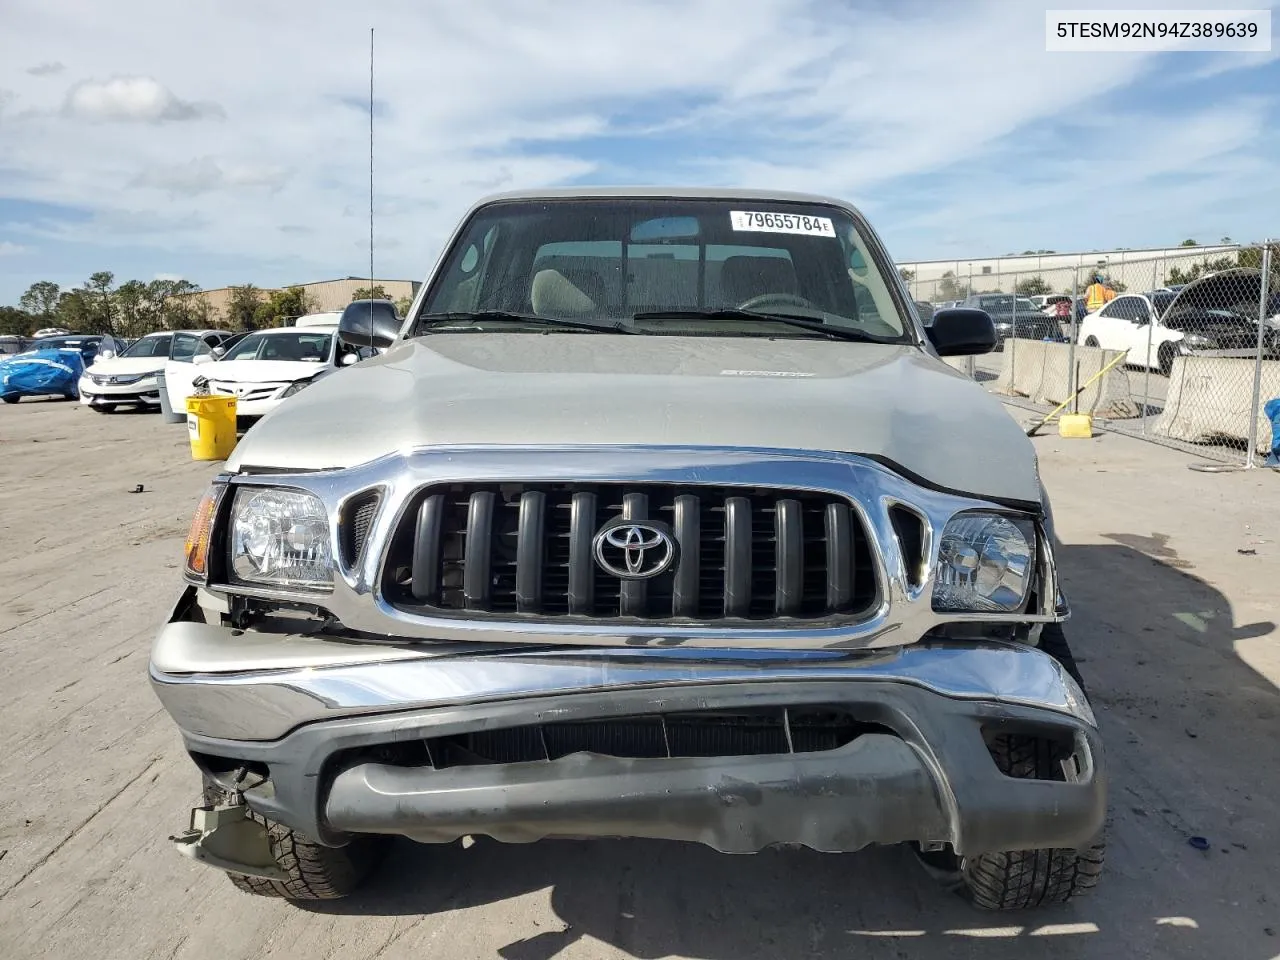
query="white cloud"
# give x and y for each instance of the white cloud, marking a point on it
(205, 174)
(170, 277)
(45, 69)
(496, 94)
(132, 99)
(10, 249)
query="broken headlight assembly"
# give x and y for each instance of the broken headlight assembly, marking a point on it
(986, 562)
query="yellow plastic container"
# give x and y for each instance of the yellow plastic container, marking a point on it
(211, 427)
(1075, 425)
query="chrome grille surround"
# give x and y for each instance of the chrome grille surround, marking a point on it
(902, 613)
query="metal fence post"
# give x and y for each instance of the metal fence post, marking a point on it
(1251, 432)
(1074, 327)
(1146, 358)
(1012, 344)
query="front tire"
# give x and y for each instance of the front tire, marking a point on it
(1021, 879)
(103, 407)
(1165, 355)
(1091, 341)
(10, 398)
(314, 872)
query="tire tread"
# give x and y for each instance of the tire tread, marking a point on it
(1021, 879)
(314, 872)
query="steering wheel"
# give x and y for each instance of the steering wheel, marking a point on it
(780, 299)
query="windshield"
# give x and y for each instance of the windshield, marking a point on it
(310, 346)
(63, 343)
(1161, 302)
(1005, 304)
(683, 265)
(150, 347)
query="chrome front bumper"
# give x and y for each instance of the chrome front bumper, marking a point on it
(314, 715)
(245, 685)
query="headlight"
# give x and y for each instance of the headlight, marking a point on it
(295, 387)
(1198, 340)
(280, 538)
(985, 564)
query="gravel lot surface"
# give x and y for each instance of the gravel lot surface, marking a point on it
(1172, 575)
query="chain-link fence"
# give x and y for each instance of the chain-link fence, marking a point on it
(1181, 353)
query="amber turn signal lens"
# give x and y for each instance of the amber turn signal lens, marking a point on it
(197, 551)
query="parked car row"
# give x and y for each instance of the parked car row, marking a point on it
(52, 366)
(261, 368)
(1215, 317)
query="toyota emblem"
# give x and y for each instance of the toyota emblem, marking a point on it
(634, 549)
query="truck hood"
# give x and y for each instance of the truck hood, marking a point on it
(894, 402)
(260, 371)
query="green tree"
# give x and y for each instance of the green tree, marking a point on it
(1251, 257)
(906, 275)
(1197, 270)
(75, 311)
(15, 321)
(99, 294)
(1033, 286)
(281, 306)
(402, 306)
(1188, 243)
(133, 313)
(40, 300)
(951, 289)
(242, 307)
(194, 311)
(376, 292)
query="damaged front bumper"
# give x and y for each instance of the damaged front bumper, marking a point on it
(348, 738)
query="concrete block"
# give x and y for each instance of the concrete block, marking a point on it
(1041, 371)
(1210, 399)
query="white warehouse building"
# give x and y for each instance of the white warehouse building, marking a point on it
(1143, 269)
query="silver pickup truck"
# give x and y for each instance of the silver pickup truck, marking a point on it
(659, 515)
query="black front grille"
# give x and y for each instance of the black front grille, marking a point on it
(357, 519)
(526, 550)
(707, 733)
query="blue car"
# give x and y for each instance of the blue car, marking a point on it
(52, 366)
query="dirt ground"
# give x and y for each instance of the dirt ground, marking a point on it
(1172, 575)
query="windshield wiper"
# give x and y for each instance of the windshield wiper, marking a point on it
(815, 326)
(437, 320)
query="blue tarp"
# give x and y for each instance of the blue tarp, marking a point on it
(41, 372)
(1272, 411)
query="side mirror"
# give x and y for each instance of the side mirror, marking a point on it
(218, 352)
(106, 354)
(368, 323)
(203, 358)
(962, 331)
(347, 359)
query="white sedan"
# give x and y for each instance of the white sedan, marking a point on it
(1154, 334)
(269, 366)
(129, 379)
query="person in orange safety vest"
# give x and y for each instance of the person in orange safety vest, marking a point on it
(1097, 295)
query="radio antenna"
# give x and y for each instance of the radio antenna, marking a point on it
(371, 286)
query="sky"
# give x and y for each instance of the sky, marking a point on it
(228, 142)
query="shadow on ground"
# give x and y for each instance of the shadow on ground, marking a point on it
(1190, 733)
